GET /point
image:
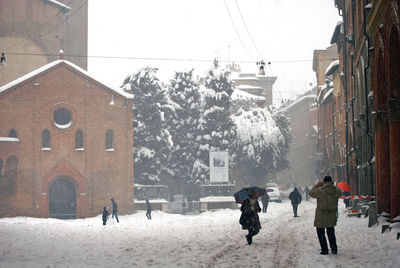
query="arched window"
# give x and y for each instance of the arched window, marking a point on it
(46, 139)
(13, 133)
(109, 140)
(79, 139)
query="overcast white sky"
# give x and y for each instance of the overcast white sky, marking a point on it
(285, 32)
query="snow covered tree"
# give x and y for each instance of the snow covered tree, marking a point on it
(184, 91)
(261, 144)
(152, 140)
(216, 129)
(283, 123)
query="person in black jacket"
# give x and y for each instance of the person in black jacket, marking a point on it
(249, 219)
(105, 215)
(148, 208)
(115, 209)
(295, 198)
(265, 201)
(306, 193)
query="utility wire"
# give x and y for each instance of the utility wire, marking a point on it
(155, 59)
(237, 32)
(57, 25)
(32, 34)
(247, 29)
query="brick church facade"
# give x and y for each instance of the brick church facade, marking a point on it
(66, 145)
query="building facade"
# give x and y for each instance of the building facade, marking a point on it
(303, 146)
(369, 48)
(323, 61)
(257, 84)
(66, 144)
(33, 32)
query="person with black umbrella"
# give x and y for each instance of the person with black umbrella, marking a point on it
(249, 218)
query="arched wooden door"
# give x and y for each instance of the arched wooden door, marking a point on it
(62, 199)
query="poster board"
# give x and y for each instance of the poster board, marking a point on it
(219, 166)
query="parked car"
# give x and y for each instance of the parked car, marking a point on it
(273, 192)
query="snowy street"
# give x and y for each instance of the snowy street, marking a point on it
(211, 239)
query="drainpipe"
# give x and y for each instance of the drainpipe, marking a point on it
(352, 119)
(334, 132)
(352, 48)
(370, 136)
(334, 163)
(345, 91)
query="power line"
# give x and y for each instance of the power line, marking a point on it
(57, 25)
(157, 58)
(237, 32)
(247, 29)
(32, 33)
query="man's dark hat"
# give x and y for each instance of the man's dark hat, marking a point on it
(327, 178)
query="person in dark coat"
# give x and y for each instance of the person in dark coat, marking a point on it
(326, 213)
(306, 192)
(148, 207)
(115, 209)
(265, 201)
(105, 215)
(295, 198)
(249, 218)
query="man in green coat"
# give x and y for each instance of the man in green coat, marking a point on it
(326, 213)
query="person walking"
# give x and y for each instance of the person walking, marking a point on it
(115, 209)
(265, 201)
(295, 198)
(327, 196)
(249, 218)
(105, 215)
(148, 208)
(306, 192)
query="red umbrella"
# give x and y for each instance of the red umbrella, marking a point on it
(344, 186)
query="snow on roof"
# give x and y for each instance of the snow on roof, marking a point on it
(332, 67)
(315, 127)
(246, 78)
(229, 198)
(9, 139)
(243, 95)
(327, 94)
(323, 88)
(61, 5)
(248, 87)
(285, 108)
(52, 64)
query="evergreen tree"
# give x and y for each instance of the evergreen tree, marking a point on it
(152, 140)
(184, 91)
(283, 123)
(216, 129)
(261, 146)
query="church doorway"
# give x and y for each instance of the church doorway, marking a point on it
(62, 199)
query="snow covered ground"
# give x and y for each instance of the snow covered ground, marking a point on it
(211, 239)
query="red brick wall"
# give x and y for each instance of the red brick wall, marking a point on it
(32, 33)
(98, 175)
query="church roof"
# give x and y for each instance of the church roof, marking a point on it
(51, 65)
